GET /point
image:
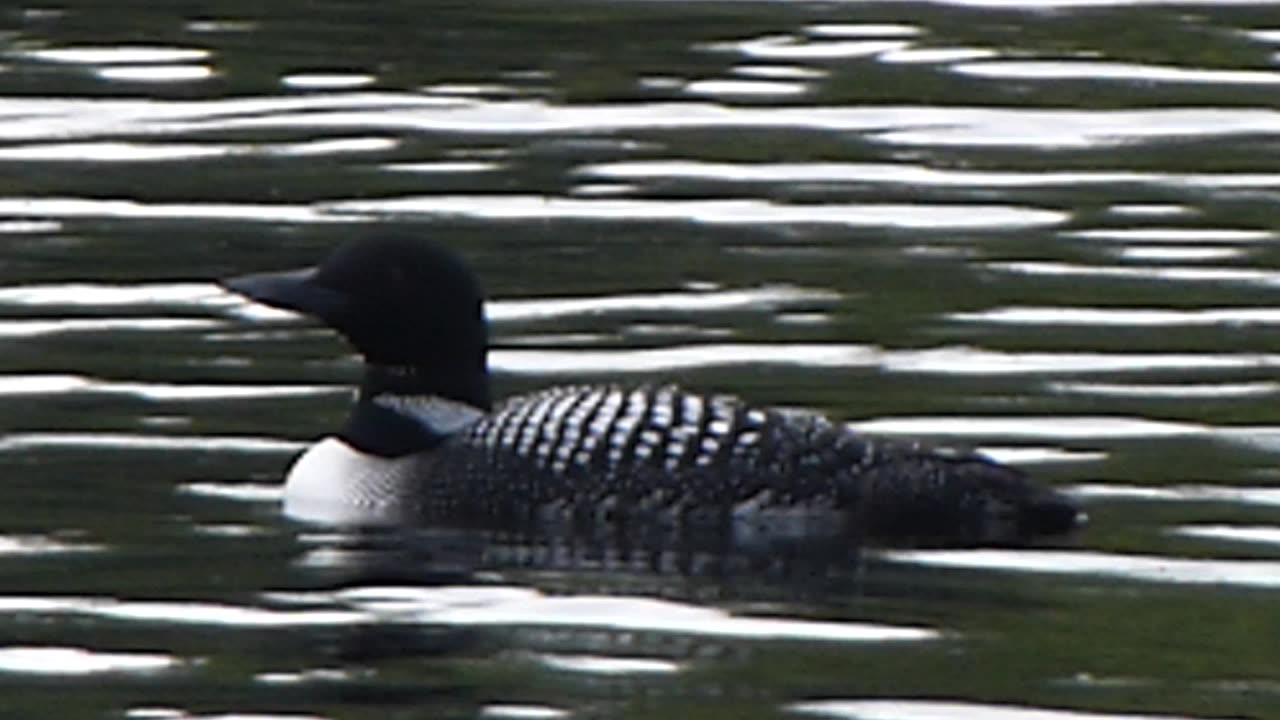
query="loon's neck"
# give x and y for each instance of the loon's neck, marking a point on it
(401, 410)
(466, 383)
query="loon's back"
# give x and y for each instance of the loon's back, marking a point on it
(660, 456)
(654, 449)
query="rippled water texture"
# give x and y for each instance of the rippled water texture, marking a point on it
(1042, 229)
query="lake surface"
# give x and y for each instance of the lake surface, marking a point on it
(1042, 229)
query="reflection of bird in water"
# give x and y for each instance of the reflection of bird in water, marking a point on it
(638, 470)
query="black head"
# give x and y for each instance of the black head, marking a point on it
(968, 501)
(409, 306)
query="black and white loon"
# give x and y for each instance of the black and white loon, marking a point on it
(424, 442)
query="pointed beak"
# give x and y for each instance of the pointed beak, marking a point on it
(290, 290)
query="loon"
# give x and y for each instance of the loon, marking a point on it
(424, 442)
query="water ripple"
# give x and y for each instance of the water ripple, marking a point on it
(948, 710)
(118, 54)
(768, 297)
(476, 606)
(1101, 70)
(954, 360)
(80, 661)
(182, 613)
(37, 118)
(59, 384)
(1144, 568)
(13, 442)
(511, 711)
(33, 328)
(1260, 534)
(1265, 496)
(73, 207)
(1121, 316)
(104, 295)
(44, 545)
(728, 211)
(1177, 273)
(327, 80)
(609, 665)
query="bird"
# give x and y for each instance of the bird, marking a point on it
(424, 441)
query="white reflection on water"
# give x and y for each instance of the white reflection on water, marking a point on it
(68, 207)
(221, 25)
(935, 55)
(1158, 209)
(168, 152)
(445, 166)
(308, 676)
(32, 328)
(507, 711)
(543, 362)
(941, 361)
(1101, 70)
(1040, 128)
(1145, 568)
(101, 295)
(1053, 426)
(778, 72)
(51, 384)
(1036, 455)
(1174, 234)
(793, 47)
(185, 613)
(155, 73)
(947, 710)
(32, 227)
(738, 211)
(327, 80)
(910, 174)
(977, 361)
(109, 152)
(609, 665)
(1121, 316)
(1038, 6)
(1165, 253)
(864, 30)
(1268, 496)
(768, 297)
(80, 661)
(169, 713)
(748, 88)
(43, 545)
(1223, 274)
(1264, 534)
(127, 441)
(476, 90)
(120, 54)
(472, 606)
(247, 492)
(39, 118)
(1177, 391)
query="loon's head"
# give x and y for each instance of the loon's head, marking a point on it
(937, 500)
(412, 309)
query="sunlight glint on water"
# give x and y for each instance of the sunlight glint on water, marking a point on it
(1048, 235)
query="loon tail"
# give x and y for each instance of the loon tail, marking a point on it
(926, 498)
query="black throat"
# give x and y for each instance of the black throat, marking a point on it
(379, 428)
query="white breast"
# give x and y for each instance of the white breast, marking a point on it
(333, 483)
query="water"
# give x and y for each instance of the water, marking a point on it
(1040, 229)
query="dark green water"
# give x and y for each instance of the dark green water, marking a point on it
(1043, 230)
